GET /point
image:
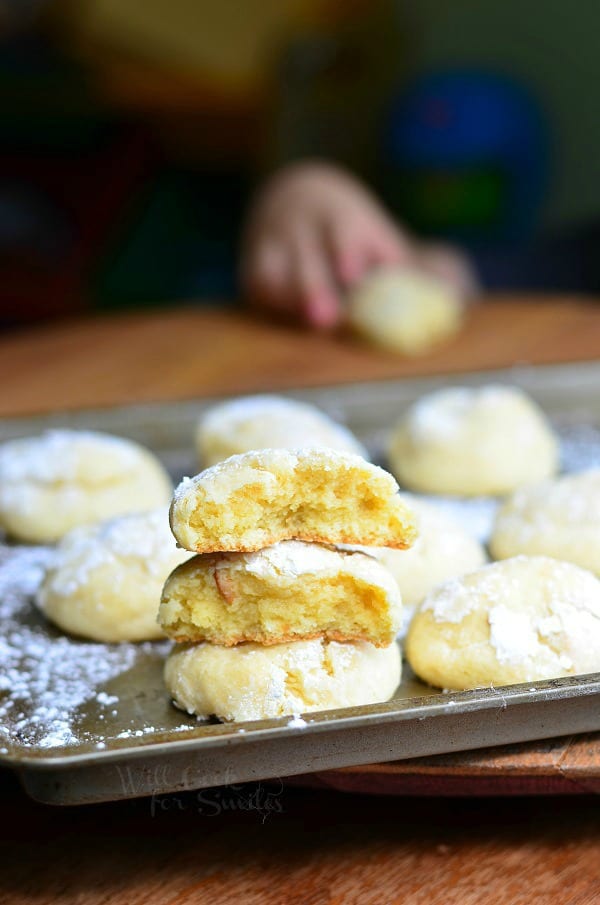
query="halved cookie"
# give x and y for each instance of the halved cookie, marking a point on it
(259, 498)
(287, 592)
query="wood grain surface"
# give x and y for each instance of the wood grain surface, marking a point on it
(183, 353)
(270, 845)
(306, 845)
(558, 766)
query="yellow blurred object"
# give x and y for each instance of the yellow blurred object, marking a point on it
(229, 42)
(210, 77)
(405, 310)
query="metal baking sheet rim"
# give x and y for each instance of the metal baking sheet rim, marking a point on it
(474, 719)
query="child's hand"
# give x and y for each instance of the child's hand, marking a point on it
(315, 231)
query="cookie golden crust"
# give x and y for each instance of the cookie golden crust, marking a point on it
(253, 682)
(268, 422)
(106, 579)
(520, 620)
(54, 482)
(468, 441)
(559, 518)
(289, 592)
(259, 498)
(405, 310)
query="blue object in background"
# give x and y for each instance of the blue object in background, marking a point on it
(466, 156)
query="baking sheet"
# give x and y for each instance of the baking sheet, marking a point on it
(91, 722)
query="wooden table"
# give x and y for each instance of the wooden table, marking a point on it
(190, 352)
(315, 846)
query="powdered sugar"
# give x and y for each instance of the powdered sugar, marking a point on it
(512, 635)
(441, 414)
(289, 560)
(572, 499)
(452, 601)
(543, 614)
(475, 515)
(223, 484)
(579, 446)
(59, 455)
(144, 536)
(445, 414)
(244, 408)
(296, 722)
(106, 699)
(277, 460)
(45, 677)
(280, 680)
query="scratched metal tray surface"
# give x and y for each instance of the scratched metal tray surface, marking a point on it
(84, 722)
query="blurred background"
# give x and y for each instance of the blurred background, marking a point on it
(133, 133)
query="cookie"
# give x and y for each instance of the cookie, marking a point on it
(253, 682)
(289, 592)
(63, 478)
(519, 620)
(268, 422)
(466, 441)
(405, 310)
(259, 498)
(442, 550)
(106, 579)
(559, 518)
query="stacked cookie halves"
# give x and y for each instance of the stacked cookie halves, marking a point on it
(271, 617)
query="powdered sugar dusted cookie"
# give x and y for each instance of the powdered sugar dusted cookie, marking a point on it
(473, 441)
(405, 310)
(106, 579)
(287, 592)
(259, 498)
(442, 550)
(268, 422)
(63, 478)
(253, 682)
(519, 620)
(558, 518)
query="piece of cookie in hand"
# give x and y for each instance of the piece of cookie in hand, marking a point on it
(405, 310)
